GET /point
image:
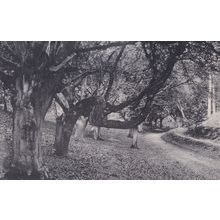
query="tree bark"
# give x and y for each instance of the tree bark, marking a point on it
(96, 133)
(64, 128)
(80, 128)
(213, 97)
(29, 109)
(151, 123)
(130, 133)
(66, 123)
(4, 101)
(26, 153)
(209, 96)
(135, 138)
(161, 123)
(27, 158)
(155, 122)
(140, 127)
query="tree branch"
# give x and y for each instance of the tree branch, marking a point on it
(83, 50)
(10, 49)
(155, 83)
(111, 74)
(58, 100)
(132, 123)
(78, 79)
(8, 62)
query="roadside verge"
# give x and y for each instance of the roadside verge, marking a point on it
(202, 146)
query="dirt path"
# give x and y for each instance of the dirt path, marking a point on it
(205, 167)
(114, 159)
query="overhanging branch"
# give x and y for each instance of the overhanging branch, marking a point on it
(111, 74)
(155, 83)
(83, 50)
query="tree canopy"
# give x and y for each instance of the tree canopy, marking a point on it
(94, 79)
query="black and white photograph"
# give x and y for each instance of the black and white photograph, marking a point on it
(106, 110)
(109, 109)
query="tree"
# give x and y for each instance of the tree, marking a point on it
(79, 99)
(161, 58)
(66, 122)
(35, 72)
(211, 95)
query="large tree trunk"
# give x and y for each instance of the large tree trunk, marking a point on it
(68, 120)
(26, 152)
(64, 128)
(29, 110)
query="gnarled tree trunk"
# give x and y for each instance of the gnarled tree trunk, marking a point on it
(25, 160)
(64, 128)
(68, 120)
(29, 109)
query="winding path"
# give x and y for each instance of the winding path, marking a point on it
(202, 166)
(114, 159)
